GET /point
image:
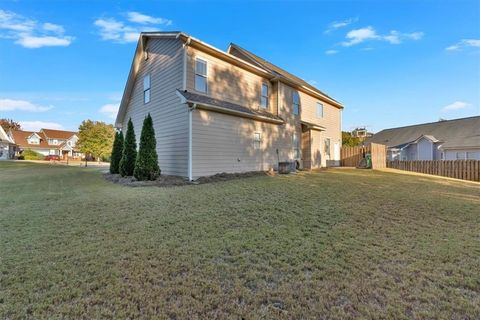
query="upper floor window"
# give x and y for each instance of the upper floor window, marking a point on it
(319, 110)
(200, 75)
(34, 140)
(146, 89)
(296, 103)
(264, 98)
(257, 140)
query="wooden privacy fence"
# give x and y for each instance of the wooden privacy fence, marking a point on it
(459, 169)
(351, 156)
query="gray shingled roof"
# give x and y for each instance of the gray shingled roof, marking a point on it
(457, 133)
(209, 101)
(276, 70)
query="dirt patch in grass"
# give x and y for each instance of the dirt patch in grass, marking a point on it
(175, 181)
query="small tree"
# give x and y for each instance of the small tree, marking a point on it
(95, 138)
(116, 153)
(129, 152)
(146, 166)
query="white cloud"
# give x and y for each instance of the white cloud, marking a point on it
(111, 29)
(330, 52)
(457, 105)
(138, 17)
(340, 24)
(358, 36)
(464, 43)
(38, 42)
(53, 27)
(37, 125)
(110, 110)
(312, 82)
(396, 37)
(21, 105)
(31, 34)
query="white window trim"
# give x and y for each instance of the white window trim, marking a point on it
(296, 146)
(149, 89)
(195, 73)
(257, 144)
(262, 96)
(294, 104)
(316, 110)
(329, 154)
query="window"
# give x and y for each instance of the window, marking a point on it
(257, 140)
(471, 155)
(296, 146)
(319, 110)
(201, 75)
(146, 89)
(296, 103)
(460, 155)
(34, 140)
(327, 146)
(264, 98)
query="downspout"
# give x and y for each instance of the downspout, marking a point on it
(191, 107)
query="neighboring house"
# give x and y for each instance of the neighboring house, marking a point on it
(6, 145)
(443, 140)
(217, 111)
(47, 142)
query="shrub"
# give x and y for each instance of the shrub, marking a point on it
(29, 154)
(146, 166)
(129, 153)
(116, 153)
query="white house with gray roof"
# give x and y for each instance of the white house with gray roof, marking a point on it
(456, 139)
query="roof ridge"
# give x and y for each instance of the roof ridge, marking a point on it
(254, 56)
(433, 122)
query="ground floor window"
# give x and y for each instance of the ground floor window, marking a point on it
(327, 146)
(460, 155)
(296, 146)
(472, 155)
(257, 140)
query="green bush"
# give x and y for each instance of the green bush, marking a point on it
(146, 166)
(129, 153)
(116, 153)
(29, 154)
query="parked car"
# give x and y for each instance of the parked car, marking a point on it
(52, 157)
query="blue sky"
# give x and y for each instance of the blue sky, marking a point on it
(391, 63)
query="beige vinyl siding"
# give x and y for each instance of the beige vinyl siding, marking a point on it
(220, 141)
(170, 118)
(228, 82)
(331, 120)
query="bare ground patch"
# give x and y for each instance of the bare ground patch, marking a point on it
(175, 181)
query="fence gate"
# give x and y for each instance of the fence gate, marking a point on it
(351, 156)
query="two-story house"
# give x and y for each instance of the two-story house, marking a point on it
(46, 142)
(217, 111)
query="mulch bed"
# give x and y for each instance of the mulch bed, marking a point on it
(175, 181)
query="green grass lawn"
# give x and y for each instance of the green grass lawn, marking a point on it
(333, 244)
